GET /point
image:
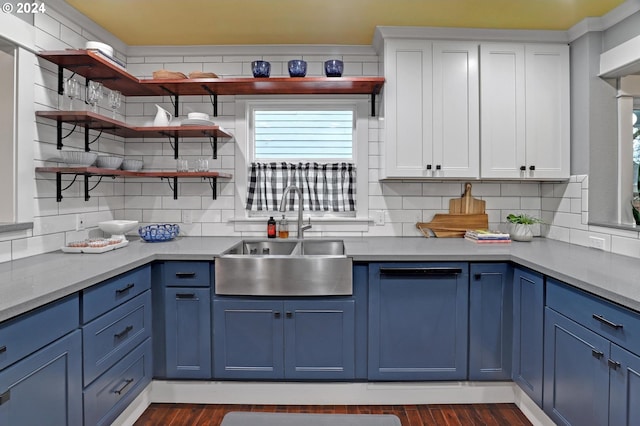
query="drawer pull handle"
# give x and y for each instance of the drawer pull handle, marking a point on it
(127, 382)
(289, 314)
(613, 364)
(276, 314)
(606, 321)
(3, 349)
(185, 274)
(126, 288)
(185, 296)
(123, 332)
(5, 397)
(597, 354)
(420, 271)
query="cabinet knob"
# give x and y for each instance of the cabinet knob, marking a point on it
(428, 166)
(523, 168)
(289, 314)
(438, 167)
(532, 168)
(276, 314)
(477, 277)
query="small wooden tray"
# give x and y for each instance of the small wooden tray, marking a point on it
(453, 225)
(199, 74)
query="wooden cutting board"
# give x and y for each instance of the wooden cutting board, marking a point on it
(467, 204)
(453, 224)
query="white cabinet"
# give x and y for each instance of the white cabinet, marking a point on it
(524, 108)
(431, 109)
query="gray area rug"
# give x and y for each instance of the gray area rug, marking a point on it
(241, 418)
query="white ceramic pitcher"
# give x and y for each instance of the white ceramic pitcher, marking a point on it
(163, 117)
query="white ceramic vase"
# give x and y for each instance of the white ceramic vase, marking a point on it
(521, 232)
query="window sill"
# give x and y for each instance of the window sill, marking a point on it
(625, 227)
(12, 227)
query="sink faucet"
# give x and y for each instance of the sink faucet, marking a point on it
(283, 201)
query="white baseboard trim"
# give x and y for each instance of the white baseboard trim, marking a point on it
(371, 393)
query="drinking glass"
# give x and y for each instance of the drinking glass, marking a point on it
(71, 90)
(202, 165)
(94, 94)
(182, 165)
(115, 100)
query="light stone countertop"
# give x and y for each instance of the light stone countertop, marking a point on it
(34, 281)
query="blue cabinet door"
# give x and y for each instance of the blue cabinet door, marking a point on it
(319, 339)
(490, 328)
(188, 333)
(418, 321)
(528, 332)
(44, 388)
(624, 379)
(576, 373)
(248, 340)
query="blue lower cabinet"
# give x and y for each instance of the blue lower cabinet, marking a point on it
(44, 388)
(418, 321)
(319, 339)
(283, 339)
(576, 373)
(624, 376)
(490, 326)
(188, 333)
(528, 332)
(111, 393)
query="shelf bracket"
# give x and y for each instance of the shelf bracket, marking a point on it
(86, 138)
(373, 104)
(59, 136)
(213, 184)
(214, 99)
(173, 141)
(213, 141)
(173, 186)
(175, 101)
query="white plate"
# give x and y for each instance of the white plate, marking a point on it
(196, 122)
(94, 249)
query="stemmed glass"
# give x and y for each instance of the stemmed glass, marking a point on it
(115, 100)
(71, 90)
(94, 94)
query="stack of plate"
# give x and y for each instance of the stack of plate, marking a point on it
(197, 119)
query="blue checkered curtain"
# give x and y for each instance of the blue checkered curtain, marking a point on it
(325, 187)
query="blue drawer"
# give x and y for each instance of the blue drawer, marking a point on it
(103, 297)
(107, 397)
(108, 338)
(618, 324)
(187, 274)
(29, 332)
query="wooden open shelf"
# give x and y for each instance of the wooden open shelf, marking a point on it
(86, 172)
(94, 121)
(94, 66)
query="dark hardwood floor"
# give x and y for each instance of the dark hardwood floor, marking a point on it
(410, 415)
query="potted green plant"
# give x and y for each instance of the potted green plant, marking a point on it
(520, 226)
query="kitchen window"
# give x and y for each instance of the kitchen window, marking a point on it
(295, 141)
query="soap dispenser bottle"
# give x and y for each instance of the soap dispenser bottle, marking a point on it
(283, 232)
(271, 227)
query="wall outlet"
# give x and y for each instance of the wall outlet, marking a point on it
(596, 242)
(378, 217)
(186, 217)
(80, 222)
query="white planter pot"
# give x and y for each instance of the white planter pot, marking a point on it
(520, 232)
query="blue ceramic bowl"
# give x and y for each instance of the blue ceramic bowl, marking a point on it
(333, 68)
(261, 68)
(156, 233)
(297, 68)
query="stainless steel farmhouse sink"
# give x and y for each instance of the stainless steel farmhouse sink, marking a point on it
(284, 268)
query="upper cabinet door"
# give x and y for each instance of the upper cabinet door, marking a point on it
(524, 111)
(456, 110)
(548, 110)
(502, 110)
(407, 110)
